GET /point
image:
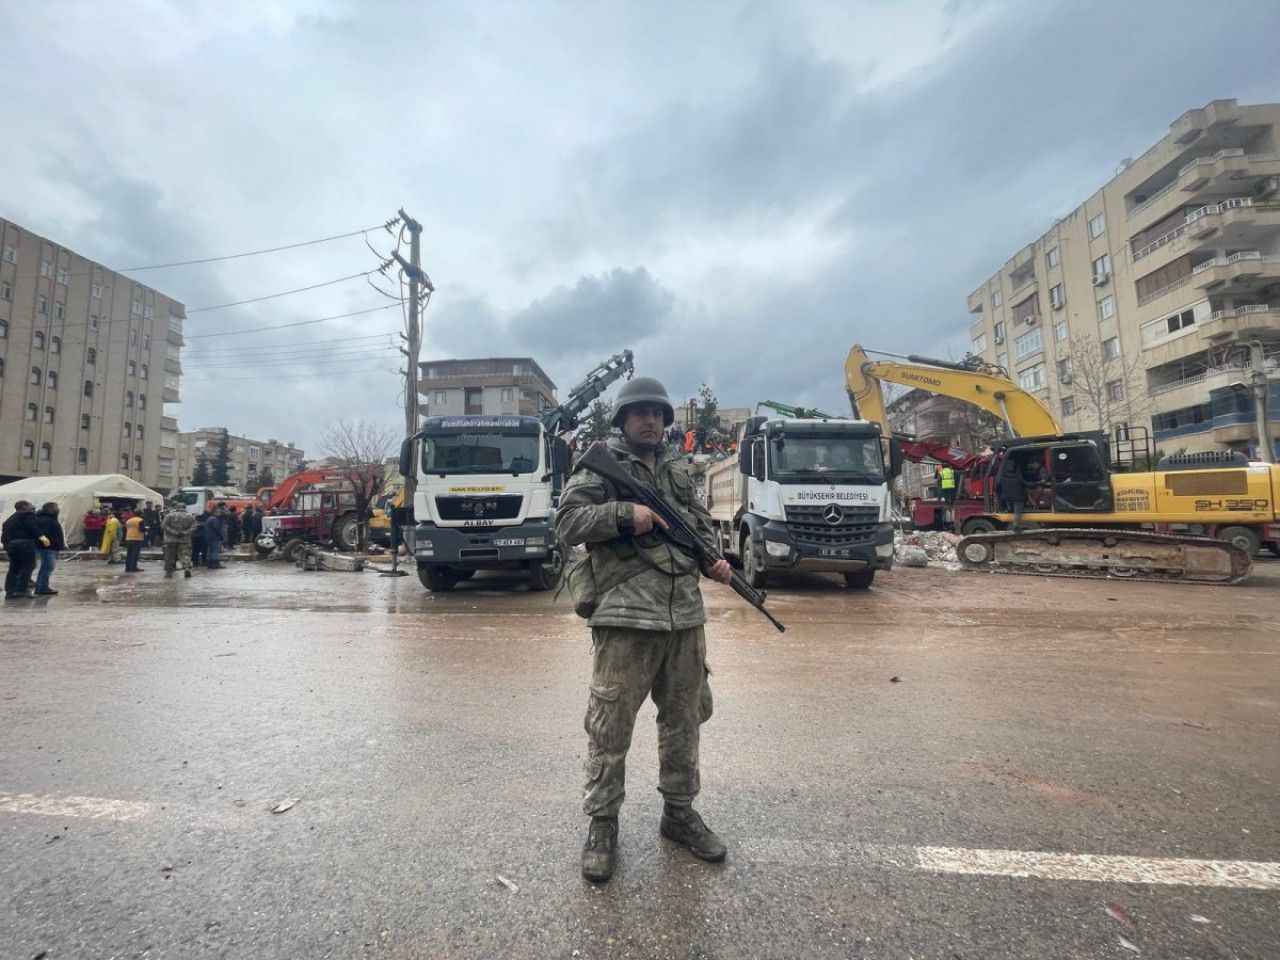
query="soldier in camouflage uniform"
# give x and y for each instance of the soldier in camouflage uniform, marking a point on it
(646, 629)
(177, 526)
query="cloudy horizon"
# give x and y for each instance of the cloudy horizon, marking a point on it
(736, 192)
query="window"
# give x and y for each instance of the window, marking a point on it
(4, 329)
(136, 311)
(133, 369)
(999, 331)
(1102, 266)
(82, 456)
(1180, 321)
(37, 340)
(137, 463)
(1057, 296)
(1068, 406)
(146, 341)
(55, 344)
(42, 306)
(36, 377)
(139, 431)
(1110, 348)
(253, 452)
(1064, 370)
(88, 388)
(48, 414)
(1060, 330)
(1, 366)
(508, 394)
(59, 311)
(52, 379)
(1002, 359)
(1097, 226)
(1115, 390)
(46, 268)
(142, 401)
(439, 397)
(93, 322)
(32, 412)
(1032, 378)
(997, 298)
(46, 450)
(124, 461)
(28, 449)
(148, 312)
(1030, 342)
(128, 399)
(62, 276)
(980, 343)
(1052, 258)
(144, 371)
(96, 291)
(91, 356)
(1106, 307)
(10, 255)
(84, 421)
(128, 430)
(6, 290)
(133, 338)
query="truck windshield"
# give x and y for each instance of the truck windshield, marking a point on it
(801, 459)
(480, 453)
(187, 497)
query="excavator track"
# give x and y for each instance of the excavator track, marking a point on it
(1106, 554)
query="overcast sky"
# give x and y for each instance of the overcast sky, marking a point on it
(735, 191)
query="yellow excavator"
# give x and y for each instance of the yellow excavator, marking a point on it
(1195, 518)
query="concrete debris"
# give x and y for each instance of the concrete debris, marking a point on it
(919, 548)
(284, 805)
(510, 885)
(313, 558)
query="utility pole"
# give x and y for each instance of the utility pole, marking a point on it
(1261, 389)
(418, 281)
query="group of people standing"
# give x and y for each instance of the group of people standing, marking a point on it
(28, 536)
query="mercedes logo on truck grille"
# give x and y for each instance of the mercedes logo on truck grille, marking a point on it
(833, 514)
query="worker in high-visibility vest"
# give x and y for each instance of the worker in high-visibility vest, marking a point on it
(947, 478)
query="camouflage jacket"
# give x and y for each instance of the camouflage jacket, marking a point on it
(178, 523)
(644, 582)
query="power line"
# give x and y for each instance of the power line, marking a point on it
(282, 293)
(324, 357)
(281, 326)
(215, 352)
(212, 375)
(275, 379)
(258, 253)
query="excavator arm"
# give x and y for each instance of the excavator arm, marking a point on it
(566, 416)
(980, 384)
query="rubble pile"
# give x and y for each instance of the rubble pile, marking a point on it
(917, 548)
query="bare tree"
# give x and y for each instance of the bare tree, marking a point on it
(358, 450)
(1110, 388)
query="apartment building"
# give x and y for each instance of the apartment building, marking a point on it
(927, 416)
(250, 460)
(489, 386)
(1138, 306)
(88, 360)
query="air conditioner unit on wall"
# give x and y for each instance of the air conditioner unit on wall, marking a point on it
(1100, 278)
(1065, 378)
(1059, 305)
(999, 339)
(1032, 320)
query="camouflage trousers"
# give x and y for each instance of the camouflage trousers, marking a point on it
(177, 554)
(628, 666)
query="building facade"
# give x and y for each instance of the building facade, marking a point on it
(927, 416)
(489, 386)
(249, 460)
(1138, 307)
(88, 360)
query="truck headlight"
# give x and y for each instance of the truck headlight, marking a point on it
(776, 549)
(884, 550)
(536, 542)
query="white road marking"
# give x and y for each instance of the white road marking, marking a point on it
(90, 808)
(1022, 864)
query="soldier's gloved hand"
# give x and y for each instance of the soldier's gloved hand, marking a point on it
(643, 519)
(721, 571)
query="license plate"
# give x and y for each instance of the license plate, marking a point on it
(832, 552)
(509, 543)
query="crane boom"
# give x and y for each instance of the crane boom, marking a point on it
(564, 417)
(982, 385)
(797, 413)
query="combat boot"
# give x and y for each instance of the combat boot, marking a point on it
(187, 573)
(682, 825)
(600, 853)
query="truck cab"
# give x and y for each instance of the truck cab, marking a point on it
(806, 494)
(487, 488)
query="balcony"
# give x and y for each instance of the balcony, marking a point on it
(171, 365)
(1222, 170)
(1243, 266)
(1242, 322)
(1192, 125)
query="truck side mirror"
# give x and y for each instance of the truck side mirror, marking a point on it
(895, 457)
(744, 458)
(406, 458)
(757, 460)
(559, 457)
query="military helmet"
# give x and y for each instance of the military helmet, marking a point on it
(643, 390)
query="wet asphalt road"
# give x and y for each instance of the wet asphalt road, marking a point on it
(434, 742)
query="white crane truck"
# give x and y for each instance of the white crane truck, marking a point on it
(805, 493)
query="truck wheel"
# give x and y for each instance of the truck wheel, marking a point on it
(859, 579)
(437, 579)
(752, 563)
(1245, 538)
(465, 574)
(346, 532)
(289, 553)
(978, 525)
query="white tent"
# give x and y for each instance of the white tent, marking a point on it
(76, 496)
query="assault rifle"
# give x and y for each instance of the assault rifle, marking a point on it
(600, 461)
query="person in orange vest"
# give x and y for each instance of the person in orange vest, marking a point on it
(134, 535)
(689, 438)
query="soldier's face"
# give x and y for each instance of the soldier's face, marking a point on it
(644, 424)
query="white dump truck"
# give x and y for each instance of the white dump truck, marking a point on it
(805, 494)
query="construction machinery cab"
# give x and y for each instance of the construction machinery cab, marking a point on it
(1068, 474)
